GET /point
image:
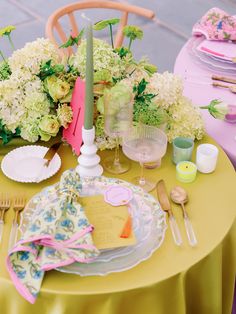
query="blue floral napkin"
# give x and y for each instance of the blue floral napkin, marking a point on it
(58, 235)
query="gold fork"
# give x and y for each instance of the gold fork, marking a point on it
(5, 204)
(18, 205)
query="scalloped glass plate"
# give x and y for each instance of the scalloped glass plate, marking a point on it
(210, 62)
(149, 225)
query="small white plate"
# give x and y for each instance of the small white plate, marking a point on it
(25, 164)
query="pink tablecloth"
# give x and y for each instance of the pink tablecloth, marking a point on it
(201, 94)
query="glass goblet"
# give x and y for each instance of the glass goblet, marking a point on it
(118, 118)
(145, 144)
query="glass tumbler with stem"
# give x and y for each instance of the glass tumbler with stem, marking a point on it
(118, 119)
(145, 144)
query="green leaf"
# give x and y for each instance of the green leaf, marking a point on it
(104, 23)
(133, 32)
(73, 40)
(81, 33)
(47, 69)
(7, 135)
(122, 51)
(5, 71)
(140, 88)
(70, 42)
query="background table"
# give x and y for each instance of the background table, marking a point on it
(201, 94)
(174, 280)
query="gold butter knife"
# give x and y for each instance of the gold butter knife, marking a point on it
(50, 153)
(165, 204)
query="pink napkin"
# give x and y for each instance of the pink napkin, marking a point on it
(216, 24)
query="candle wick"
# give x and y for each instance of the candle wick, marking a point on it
(84, 16)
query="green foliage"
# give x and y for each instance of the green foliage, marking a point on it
(5, 71)
(139, 90)
(104, 23)
(100, 126)
(122, 52)
(133, 32)
(73, 40)
(7, 135)
(47, 69)
(144, 111)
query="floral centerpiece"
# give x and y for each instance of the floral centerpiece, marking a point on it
(36, 87)
(35, 90)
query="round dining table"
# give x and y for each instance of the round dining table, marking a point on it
(198, 87)
(175, 279)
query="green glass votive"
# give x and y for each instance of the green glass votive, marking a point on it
(182, 149)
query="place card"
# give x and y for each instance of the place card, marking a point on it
(108, 221)
(73, 134)
(118, 195)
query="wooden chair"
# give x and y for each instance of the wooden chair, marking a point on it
(53, 23)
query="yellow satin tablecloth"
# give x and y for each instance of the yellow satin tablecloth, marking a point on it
(174, 280)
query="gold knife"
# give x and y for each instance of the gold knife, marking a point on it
(165, 204)
(50, 153)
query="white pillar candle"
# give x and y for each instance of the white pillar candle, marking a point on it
(206, 160)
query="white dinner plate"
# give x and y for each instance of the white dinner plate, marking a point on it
(25, 164)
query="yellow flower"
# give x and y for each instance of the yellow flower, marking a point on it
(48, 126)
(6, 31)
(64, 114)
(56, 88)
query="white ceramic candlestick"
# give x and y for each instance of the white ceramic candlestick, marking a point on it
(88, 160)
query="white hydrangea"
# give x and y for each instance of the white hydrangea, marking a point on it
(23, 100)
(103, 58)
(11, 109)
(184, 120)
(167, 86)
(20, 100)
(136, 77)
(29, 58)
(35, 100)
(106, 142)
(30, 130)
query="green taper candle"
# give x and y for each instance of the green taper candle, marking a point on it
(89, 97)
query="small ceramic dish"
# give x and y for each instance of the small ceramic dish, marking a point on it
(25, 164)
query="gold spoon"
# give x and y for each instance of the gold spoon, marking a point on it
(232, 88)
(180, 196)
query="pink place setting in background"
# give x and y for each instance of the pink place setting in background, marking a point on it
(216, 24)
(210, 55)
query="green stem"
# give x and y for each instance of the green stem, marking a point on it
(11, 42)
(130, 42)
(204, 107)
(1, 54)
(111, 34)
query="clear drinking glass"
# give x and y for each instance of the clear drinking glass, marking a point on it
(145, 144)
(118, 117)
